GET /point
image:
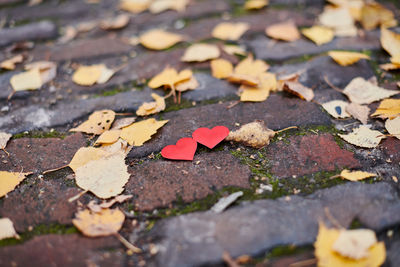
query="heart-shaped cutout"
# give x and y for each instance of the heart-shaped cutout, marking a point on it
(210, 138)
(184, 149)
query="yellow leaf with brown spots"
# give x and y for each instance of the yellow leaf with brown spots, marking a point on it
(97, 123)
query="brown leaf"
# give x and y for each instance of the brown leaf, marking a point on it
(254, 134)
(299, 90)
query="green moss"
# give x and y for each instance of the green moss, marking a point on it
(41, 229)
(287, 251)
(40, 134)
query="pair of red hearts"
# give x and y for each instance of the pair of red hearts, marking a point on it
(185, 148)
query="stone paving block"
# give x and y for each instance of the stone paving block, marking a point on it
(302, 155)
(391, 148)
(158, 183)
(32, 154)
(255, 227)
(71, 250)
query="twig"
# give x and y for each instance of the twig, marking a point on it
(332, 86)
(228, 260)
(76, 197)
(287, 128)
(127, 244)
(56, 169)
(304, 263)
(8, 154)
(331, 218)
(233, 104)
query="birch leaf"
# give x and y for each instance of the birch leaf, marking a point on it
(388, 108)
(140, 132)
(286, 31)
(190, 84)
(121, 123)
(390, 41)
(319, 34)
(4, 138)
(158, 39)
(7, 229)
(257, 94)
(9, 180)
(345, 58)
(221, 68)
(254, 134)
(356, 175)
(299, 90)
(135, 6)
(97, 123)
(149, 108)
(87, 75)
(393, 127)
(374, 14)
(358, 112)
(27, 80)
(169, 77)
(230, 31)
(363, 137)
(9, 64)
(116, 23)
(255, 4)
(337, 109)
(200, 53)
(108, 137)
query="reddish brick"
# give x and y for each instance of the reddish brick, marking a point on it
(391, 148)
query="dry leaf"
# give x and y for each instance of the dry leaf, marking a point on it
(254, 134)
(117, 199)
(345, 58)
(89, 75)
(363, 137)
(257, 94)
(293, 77)
(286, 31)
(390, 41)
(135, 6)
(149, 108)
(9, 64)
(249, 66)
(358, 112)
(319, 34)
(361, 91)
(121, 123)
(244, 79)
(337, 109)
(159, 6)
(393, 127)
(140, 132)
(299, 90)
(69, 33)
(9, 180)
(356, 175)
(85, 155)
(103, 223)
(47, 70)
(354, 244)
(221, 68)
(255, 4)
(158, 39)
(97, 123)
(230, 31)
(4, 137)
(200, 53)
(234, 50)
(169, 77)
(374, 14)
(108, 137)
(340, 20)
(105, 75)
(354, 7)
(190, 84)
(7, 229)
(328, 257)
(116, 23)
(388, 108)
(28, 80)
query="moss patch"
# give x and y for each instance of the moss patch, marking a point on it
(40, 134)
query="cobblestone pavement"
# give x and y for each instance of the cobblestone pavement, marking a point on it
(168, 215)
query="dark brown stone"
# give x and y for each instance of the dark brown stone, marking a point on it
(159, 183)
(308, 154)
(391, 149)
(40, 154)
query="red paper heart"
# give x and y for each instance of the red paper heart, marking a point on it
(183, 150)
(210, 138)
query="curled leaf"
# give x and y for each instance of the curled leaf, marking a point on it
(299, 90)
(254, 134)
(149, 108)
(393, 127)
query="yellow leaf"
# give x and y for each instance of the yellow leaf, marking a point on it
(7, 229)
(328, 257)
(200, 53)
(244, 79)
(254, 134)
(361, 91)
(159, 6)
(345, 58)
(354, 244)
(389, 66)
(393, 127)
(355, 175)
(105, 75)
(103, 223)
(234, 50)
(374, 14)
(4, 137)
(390, 41)
(108, 137)
(221, 68)
(28, 80)
(169, 77)
(85, 155)
(121, 123)
(255, 4)
(149, 108)
(340, 20)
(87, 75)
(47, 69)
(358, 112)
(190, 84)
(116, 23)
(257, 94)
(363, 137)
(9, 180)
(230, 31)
(336, 108)
(395, 59)
(318, 34)
(97, 123)
(135, 6)
(388, 108)
(158, 39)
(286, 31)
(9, 64)
(140, 132)
(299, 90)
(249, 66)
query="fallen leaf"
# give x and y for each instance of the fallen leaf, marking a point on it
(117, 199)
(328, 257)
(68, 33)
(234, 50)
(244, 79)
(200, 53)
(89, 75)
(4, 137)
(27, 80)
(299, 90)
(358, 112)
(116, 23)
(390, 41)
(363, 137)
(47, 70)
(169, 77)
(249, 66)
(159, 39)
(190, 84)
(108, 137)
(7, 229)
(388, 108)
(354, 7)
(260, 93)
(230, 31)
(354, 244)
(149, 108)
(121, 123)
(345, 58)
(9, 180)
(337, 109)
(389, 66)
(319, 34)
(340, 20)
(255, 4)
(254, 134)
(393, 127)
(140, 132)
(105, 75)
(103, 223)
(361, 91)
(286, 31)
(85, 155)
(221, 68)
(9, 64)
(135, 6)
(225, 202)
(356, 175)
(374, 14)
(97, 123)
(159, 6)
(293, 77)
